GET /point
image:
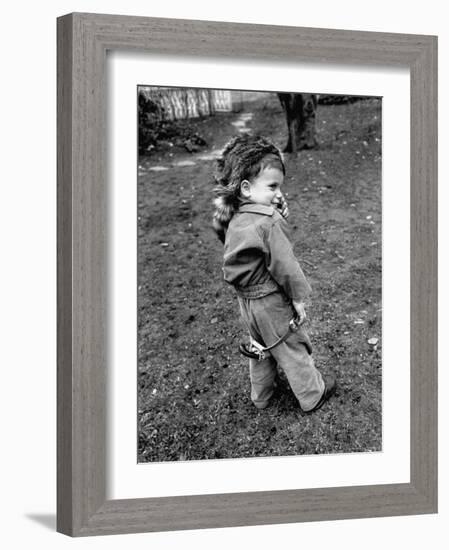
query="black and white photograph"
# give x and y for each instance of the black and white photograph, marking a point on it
(259, 261)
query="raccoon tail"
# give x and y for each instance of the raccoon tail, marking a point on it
(224, 210)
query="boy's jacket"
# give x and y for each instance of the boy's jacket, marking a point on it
(258, 254)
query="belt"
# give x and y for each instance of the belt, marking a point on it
(252, 292)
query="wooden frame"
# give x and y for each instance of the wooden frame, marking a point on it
(83, 40)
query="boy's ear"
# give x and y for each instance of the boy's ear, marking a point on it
(245, 189)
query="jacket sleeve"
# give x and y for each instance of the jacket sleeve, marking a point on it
(282, 263)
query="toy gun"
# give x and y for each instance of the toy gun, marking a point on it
(254, 350)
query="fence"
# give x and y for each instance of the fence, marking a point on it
(178, 103)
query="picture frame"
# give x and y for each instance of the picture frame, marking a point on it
(83, 41)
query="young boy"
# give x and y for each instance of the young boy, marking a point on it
(260, 264)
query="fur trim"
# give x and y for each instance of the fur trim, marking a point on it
(224, 210)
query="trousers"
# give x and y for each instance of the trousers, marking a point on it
(267, 320)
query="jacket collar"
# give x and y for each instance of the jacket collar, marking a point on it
(255, 208)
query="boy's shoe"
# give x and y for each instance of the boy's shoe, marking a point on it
(330, 385)
(262, 404)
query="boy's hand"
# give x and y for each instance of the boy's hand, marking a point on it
(282, 206)
(300, 311)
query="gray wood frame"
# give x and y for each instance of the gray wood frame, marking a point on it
(83, 40)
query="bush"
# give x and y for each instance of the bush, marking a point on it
(153, 130)
(150, 121)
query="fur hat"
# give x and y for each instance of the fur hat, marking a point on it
(242, 159)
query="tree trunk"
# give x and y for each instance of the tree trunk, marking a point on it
(300, 110)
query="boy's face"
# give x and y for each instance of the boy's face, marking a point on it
(265, 188)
